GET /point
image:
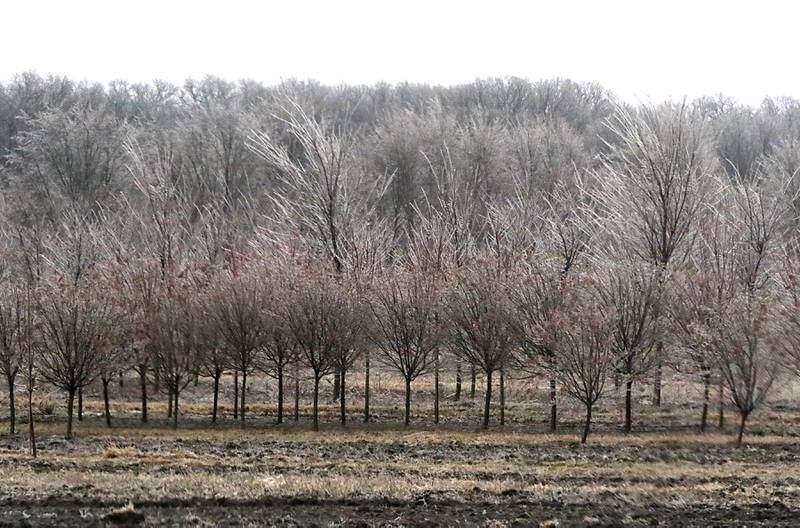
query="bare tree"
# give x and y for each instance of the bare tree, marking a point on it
(76, 323)
(544, 154)
(312, 310)
(175, 334)
(478, 316)
(396, 148)
(790, 305)
(745, 350)
(12, 317)
(29, 247)
(68, 159)
(405, 325)
(634, 294)
(212, 359)
(707, 282)
(742, 321)
(157, 254)
(350, 339)
(758, 213)
(322, 193)
(655, 178)
(139, 287)
(537, 298)
(585, 351)
(323, 196)
(279, 350)
(113, 365)
(31, 361)
(212, 132)
(236, 309)
(567, 222)
(431, 253)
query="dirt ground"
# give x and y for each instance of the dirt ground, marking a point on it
(382, 474)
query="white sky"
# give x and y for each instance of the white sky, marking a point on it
(643, 50)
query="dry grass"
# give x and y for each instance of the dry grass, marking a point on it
(234, 432)
(453, 480)
(671, 467)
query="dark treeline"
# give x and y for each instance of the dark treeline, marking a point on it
(504, 227)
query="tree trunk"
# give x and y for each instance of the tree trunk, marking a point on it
(628, 386)
(553, 406)
(502, 397)
(408, 401)
(472, 380)
(235, 394)
(31, 431)
(657, 379)
(366, 386)
(706, 390)
(457, 395)
(175, 411)
(436, 387)
(243, 407)
(280, 395)
(80, 404)
(587, 425)
(12, 409)
(337, 389)
(106, 408)
(156, 381)
(316, 402)
(488, 400)
(215, 405)
(741, 429)
(169, 402)
(721, 423)
(296, 393)
(70, 405)
(342, 398)
(143, 381)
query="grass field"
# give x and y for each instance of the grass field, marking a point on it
(382, 474)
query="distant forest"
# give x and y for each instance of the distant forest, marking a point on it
(64, 144)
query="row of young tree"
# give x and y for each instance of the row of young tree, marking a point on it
(519, 229)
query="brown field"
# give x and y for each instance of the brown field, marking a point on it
(382, 474)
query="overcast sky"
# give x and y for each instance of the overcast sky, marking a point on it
(642, 50)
